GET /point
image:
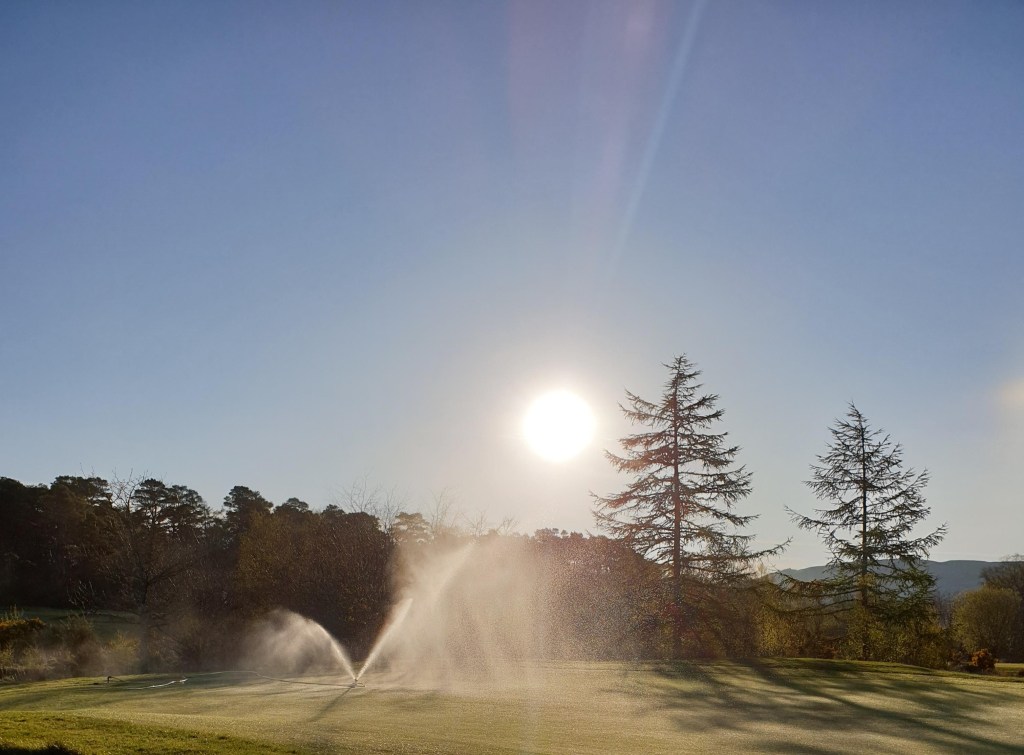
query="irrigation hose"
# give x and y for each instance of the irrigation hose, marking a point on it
(182, 679)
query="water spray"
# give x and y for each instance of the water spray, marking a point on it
(468, 626)
(397, 617)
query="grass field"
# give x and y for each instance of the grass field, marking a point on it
(778, 706)
(106, 624)
(1010, 669)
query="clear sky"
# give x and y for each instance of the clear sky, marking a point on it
(298, 245)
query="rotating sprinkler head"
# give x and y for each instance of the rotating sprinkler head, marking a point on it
(356, 683)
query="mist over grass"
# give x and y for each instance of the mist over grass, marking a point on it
(286, 643)
(789, 705)
(468, 613)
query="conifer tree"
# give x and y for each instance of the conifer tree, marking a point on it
(678, 510)
(875, 503)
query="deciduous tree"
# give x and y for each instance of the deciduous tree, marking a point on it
(1009, 574)
(987, 618)
(159, 531)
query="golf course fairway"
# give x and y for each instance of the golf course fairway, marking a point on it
(780, 706)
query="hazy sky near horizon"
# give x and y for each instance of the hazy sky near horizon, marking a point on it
(296, 246)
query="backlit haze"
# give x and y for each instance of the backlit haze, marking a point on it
(295, 246)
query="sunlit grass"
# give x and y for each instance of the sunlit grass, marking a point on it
(786, 705)
(1010, 669)
(28, 731)
(106, 624)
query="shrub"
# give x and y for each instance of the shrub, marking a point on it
(121, 654)
(982, 660)
(17, 641)
(34, 664)
(73, 641)
(7, 668)
(17, 632)
(73, 631)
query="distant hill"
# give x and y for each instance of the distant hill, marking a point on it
(951, 577)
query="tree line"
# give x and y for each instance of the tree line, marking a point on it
(195, 578)
(674, 576)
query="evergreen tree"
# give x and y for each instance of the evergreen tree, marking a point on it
(75, 525)
(678, 511)
(876, 569)
(242, 507)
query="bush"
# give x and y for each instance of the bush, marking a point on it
(7, 667)
(982, 660)
(35, 664)
(121, 655)
(69, 647)
(73, 642)
(979, 662)
(17, 639)
(73, 631)
(17, 632)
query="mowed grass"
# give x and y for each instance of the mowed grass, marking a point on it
(778, 706)
(33, 731)
(1010, 669)
(106, 624)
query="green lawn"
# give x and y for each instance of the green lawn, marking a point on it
(782, 706)
(1010, 669)
(106, 624)
(29, 731)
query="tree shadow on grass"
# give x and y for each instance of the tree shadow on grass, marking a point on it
(820, 709)
(202, 692)
(32, 696)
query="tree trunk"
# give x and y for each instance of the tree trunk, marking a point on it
(677, 592)
(144, 640)
(864, 650)
(677, 554)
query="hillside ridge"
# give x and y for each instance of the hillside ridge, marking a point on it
(951, 577)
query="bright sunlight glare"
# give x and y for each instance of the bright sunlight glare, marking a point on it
(558, 426)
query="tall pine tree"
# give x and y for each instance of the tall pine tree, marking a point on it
(875, 503)
(678, 510)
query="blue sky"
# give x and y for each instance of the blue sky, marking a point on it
(298, 246)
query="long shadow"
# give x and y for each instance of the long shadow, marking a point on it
(66, 696)
(331, 705)
(956, 706)
(77, 694)
(822, 703)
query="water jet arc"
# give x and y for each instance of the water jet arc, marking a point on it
(397, 617)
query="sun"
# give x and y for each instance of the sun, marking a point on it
(558, 425)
